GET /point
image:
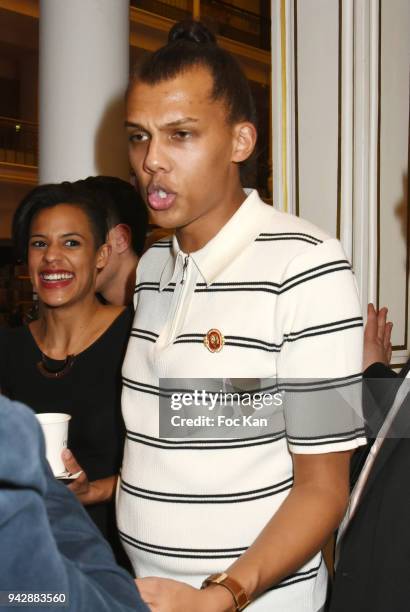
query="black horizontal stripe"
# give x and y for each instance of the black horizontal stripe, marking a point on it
(213, 289)
(317, 330)
(311, 389)
(324, 332)
(206, 501)
(144, 331)
(297, 577)
(228, 343)
(213, 496)
(139, 289)
(164, 554)
(285, 238)
(329, 264)
(273, 436)
(351, 377)
(143, 334)
(228, 498)
(186, 553)
(291, 234)
(339, 441)
(167, 392)
(280, 385)
(265, 288)
(261, 286)
(206, 445)
(154, 287)
(242, 284)
(324, 273)
(161, 245)
(324, 326)
(229, 337)
(357, 430)
(134, 334)
(155, 390)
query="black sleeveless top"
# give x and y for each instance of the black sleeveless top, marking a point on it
(90, 391)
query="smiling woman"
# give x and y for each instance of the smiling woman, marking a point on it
(59, 362)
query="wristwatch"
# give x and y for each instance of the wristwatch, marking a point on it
(238, 593)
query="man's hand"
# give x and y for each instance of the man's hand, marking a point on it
(377, 335)
(164, 595)
(88, 492)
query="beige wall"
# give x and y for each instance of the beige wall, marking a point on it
(341, 136)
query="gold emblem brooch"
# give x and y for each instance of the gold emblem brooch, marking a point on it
(214, 340)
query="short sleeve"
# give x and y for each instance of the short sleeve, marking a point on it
(320, 362)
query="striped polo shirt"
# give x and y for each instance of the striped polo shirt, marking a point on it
(282, 295)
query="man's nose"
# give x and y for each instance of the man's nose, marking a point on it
(156, 159)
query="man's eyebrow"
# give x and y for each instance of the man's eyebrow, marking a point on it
(180, 122)
(170, 124)
(130, 124)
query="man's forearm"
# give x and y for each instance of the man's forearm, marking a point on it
(294, 535)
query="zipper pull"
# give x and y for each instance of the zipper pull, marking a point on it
(184, 269)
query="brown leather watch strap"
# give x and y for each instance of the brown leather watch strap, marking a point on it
(238, 592)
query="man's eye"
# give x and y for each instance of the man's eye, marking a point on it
(138, 137)
(71, 243)
(182, 135)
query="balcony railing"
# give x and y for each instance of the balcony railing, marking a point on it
(18, 142)
(223, 18)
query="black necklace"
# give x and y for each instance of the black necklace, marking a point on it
(46, 368)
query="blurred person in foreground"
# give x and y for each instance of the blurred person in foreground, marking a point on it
(373, 547)
(48, 544)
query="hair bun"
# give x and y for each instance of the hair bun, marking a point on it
(195, 31)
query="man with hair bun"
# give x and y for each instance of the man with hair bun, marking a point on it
(241, 291)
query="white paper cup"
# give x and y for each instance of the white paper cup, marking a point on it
(55, 429)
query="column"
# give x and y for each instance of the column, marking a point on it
(84, 69)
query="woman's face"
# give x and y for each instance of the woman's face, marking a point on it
(63, 260)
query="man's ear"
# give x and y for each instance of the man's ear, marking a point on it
(244, 141)
(120, 237)
(103, 256)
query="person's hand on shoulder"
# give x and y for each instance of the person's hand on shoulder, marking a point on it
(377, 337)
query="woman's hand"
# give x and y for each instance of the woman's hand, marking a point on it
(88, 492)
(377, 334)
(164, 595)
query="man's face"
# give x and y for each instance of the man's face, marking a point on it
(181, 148)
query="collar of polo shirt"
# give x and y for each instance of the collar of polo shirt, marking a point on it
(242, 228)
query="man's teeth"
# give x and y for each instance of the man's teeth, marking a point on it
(57, 276)
(162, 194)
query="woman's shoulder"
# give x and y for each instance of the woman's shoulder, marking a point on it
(118, 327)
(14, 344)
(121, 316)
